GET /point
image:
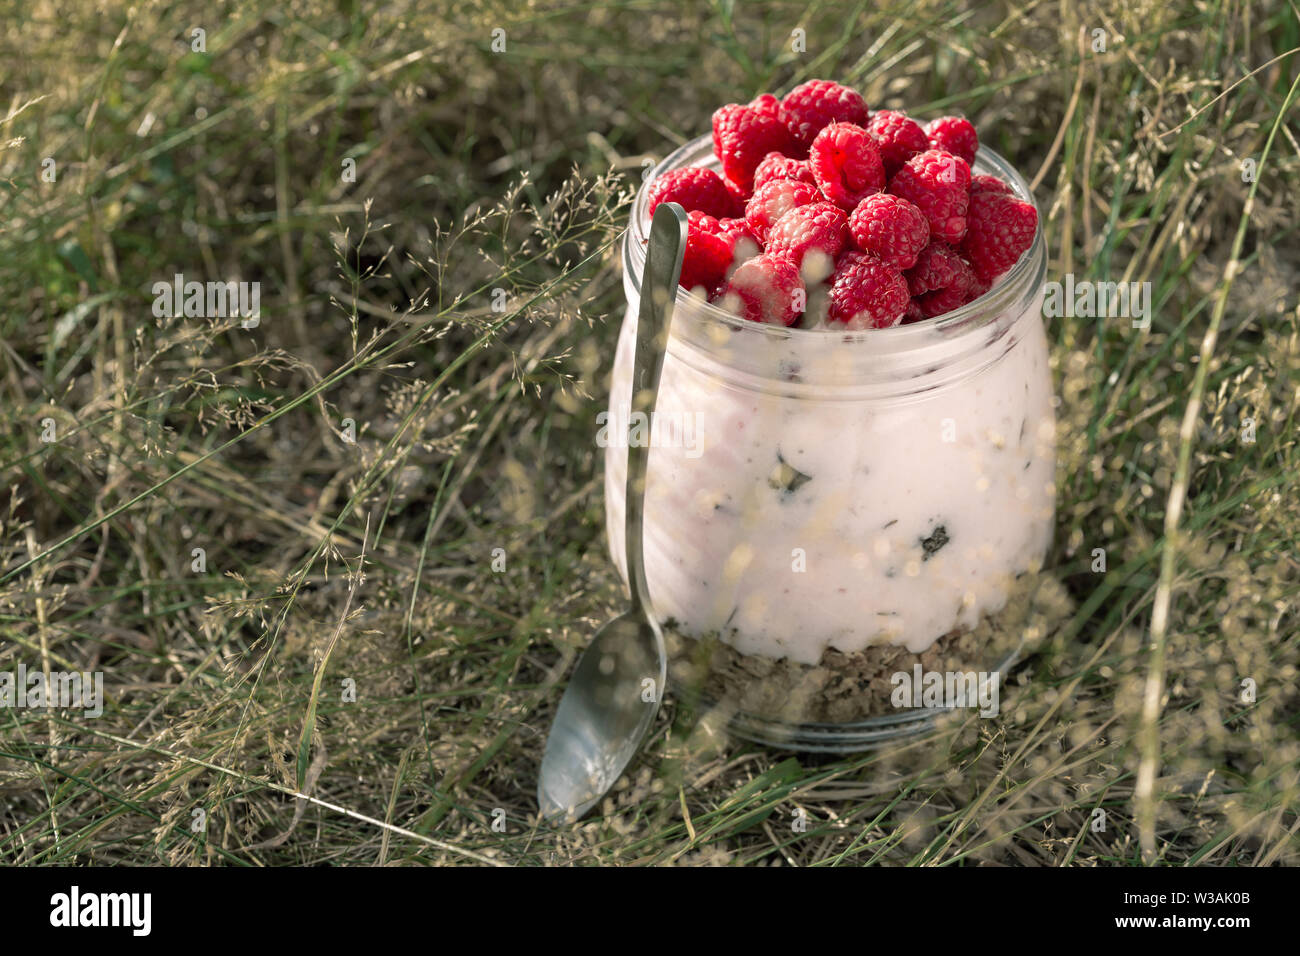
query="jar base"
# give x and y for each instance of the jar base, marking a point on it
(856, 702)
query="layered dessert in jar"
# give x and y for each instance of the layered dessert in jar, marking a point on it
(852, 454)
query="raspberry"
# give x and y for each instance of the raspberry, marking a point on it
(848, 259)
(743, 244)
(701, 219)
(939, 183)
(898, 137)
(954, 134)
(914, 312)
(775, 166)
(695, 188)
(965, 288)
(957, 286)
(767, 288)
(766, 103)
(773, 200)
(868, 295)
(811, 237)
(891, 227)
(742, 136)
(706, 258)
(937, 267)
(734, 232)
(1000, 228)
(845, 160)
(811, 107)
(983, 183)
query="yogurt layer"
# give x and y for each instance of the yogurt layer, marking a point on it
(795, 505)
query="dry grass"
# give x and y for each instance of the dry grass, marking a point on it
(369, 561)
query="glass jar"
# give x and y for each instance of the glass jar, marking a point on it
(833, 515)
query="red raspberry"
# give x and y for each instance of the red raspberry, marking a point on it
(914, 312)
(937, 267)
(868, 295)
(965, 288)
(898, 137)
(982, 183)
(939, 183)
(1000, 228)
(707, 256)
(695, 188)
(960, 286)
(773, 200)
(811, 237)
(811, 107)
(767, 288)
(742, 136)
(846, 163)
(734, 232)
(702, 220)
(743, 244)
(767, 103)
(850, 257)
(954, 134)
(775, 166)
(891, 227)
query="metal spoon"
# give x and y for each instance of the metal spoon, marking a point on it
(615, 691)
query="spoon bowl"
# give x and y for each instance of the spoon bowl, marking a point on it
(604, 715)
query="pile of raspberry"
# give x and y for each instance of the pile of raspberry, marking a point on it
(830, 216)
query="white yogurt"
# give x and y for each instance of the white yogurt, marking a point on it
(903, 508)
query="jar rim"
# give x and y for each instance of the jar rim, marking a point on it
(978, 313)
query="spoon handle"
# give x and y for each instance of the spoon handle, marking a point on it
(663, 269)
